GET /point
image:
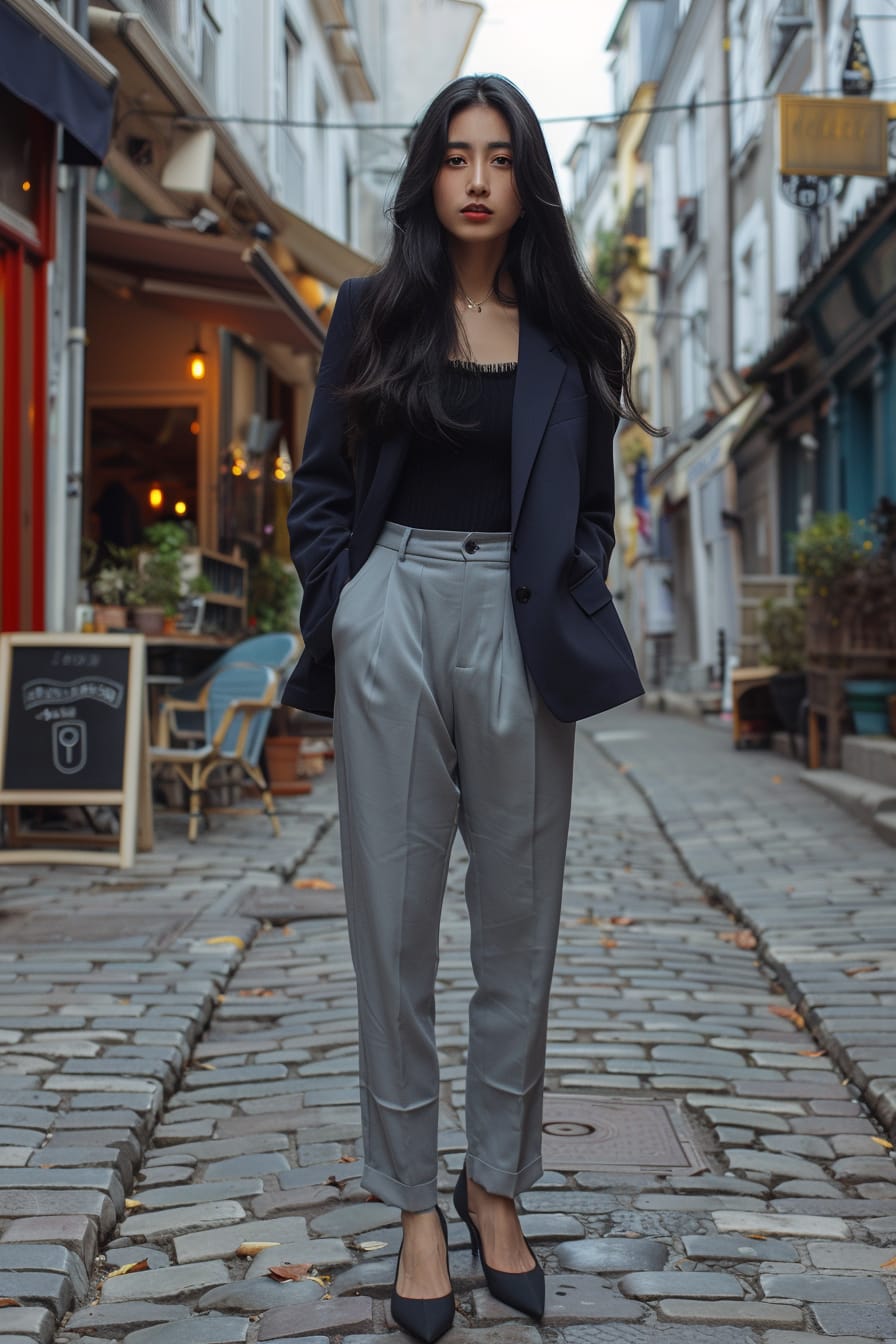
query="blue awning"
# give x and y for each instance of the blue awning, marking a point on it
(48, 66)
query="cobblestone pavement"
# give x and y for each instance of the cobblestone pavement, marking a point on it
(172, 1098)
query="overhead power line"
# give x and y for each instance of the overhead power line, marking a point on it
(609, 118)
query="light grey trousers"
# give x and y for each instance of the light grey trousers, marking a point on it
(437, 723)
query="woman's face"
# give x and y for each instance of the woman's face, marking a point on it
(474, 192)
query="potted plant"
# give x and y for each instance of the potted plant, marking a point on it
(273, 596)
(846, 569)
(782, 629)
(109, 588)
(273, 606)
(156, 591)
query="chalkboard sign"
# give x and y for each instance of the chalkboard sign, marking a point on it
(72, 718)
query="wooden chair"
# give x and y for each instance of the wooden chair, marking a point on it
(180, 715)
(236, 706)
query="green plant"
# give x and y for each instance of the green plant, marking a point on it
(831, 549)
(113, 580)
(782, 629)
(159, 582)
(199, 584)
(273, 596)
(608, 243)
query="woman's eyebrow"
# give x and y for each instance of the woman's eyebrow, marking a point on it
(492, 144)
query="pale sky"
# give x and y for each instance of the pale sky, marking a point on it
(554, 51)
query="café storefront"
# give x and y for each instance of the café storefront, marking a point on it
(57, 98)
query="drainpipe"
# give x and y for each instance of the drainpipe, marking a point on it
(66, 439)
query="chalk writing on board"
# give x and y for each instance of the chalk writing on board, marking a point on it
(70, 746)
(47, 691)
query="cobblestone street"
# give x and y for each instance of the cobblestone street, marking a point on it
(179, 1076)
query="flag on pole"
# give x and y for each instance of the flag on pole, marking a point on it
(640, 501)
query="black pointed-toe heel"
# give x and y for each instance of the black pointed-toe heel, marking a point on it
(524, 1291)
(426, 1318)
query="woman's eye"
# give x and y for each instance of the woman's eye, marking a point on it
(503, 161)
(454, 160)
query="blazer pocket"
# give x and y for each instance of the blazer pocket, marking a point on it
(572, 409)
(591, 591)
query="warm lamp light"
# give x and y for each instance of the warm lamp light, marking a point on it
(26, 186)
(197, 358)
(155, 497)
(180, 508)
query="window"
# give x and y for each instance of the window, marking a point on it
(348, 213)
(290, 157)
(321, 155)
(292, 72)
(208, 53)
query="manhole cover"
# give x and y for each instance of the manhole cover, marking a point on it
(584, 1133)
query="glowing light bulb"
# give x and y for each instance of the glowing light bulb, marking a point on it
(197, 367)
(180, 508)
(155, 498)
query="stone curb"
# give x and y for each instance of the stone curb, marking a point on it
(877, 1094)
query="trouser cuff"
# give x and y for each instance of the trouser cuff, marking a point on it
(411, 1198)
(498, 1182)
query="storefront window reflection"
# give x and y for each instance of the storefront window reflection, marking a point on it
(18, 164)
(143, 470)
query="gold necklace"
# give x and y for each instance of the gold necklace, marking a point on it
(475, 307)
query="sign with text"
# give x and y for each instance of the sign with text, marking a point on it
(827, 137)
(72, 730)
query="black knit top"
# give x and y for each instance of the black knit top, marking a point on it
(462, 484)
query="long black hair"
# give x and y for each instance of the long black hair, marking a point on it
(407, 326)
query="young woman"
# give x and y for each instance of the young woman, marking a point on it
(452, 523)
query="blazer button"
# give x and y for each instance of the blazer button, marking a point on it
(523, 594)
(471, 547)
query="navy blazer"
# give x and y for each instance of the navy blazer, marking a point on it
(562, 505)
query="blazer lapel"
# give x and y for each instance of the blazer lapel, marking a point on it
(539, 374)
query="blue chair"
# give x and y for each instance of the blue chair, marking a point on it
(235, 705)
(278, 651)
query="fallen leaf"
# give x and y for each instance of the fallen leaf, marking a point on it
(257, 993)
(231, 938)
(587, 919)
(884, 1143)
(745, 938)
(860, 970)
(609, 942)
(370, 1245)
(250, 1248)
(288, 1273)
(287, 931)
(314, 883)
(373, 1199)
(211, 1067)
(136, 1267)
(47, 1166)
(9, 1302)
(791, 1015)
(889, 1264)
(776, 779)
(756, 1236)
(133, 1203)
(349, 1159)
(623, 919)
(813, 1054)
(624, 768)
